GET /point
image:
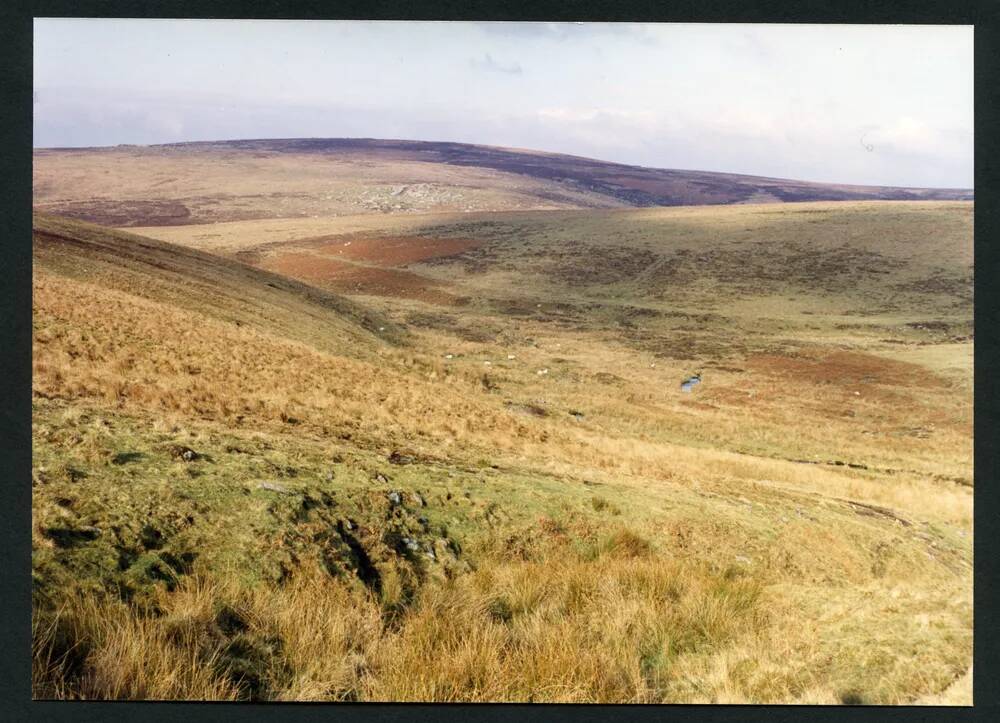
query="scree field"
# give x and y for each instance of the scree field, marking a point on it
(395, 423)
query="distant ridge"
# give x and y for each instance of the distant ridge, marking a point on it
(546, 164)
(160, 179)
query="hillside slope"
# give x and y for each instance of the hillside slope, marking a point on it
(518, 503)
(797, 311)
(286, 178)
(218, 287)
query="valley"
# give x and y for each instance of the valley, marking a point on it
(404, 423)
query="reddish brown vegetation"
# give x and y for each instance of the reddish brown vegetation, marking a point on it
(844, 368)
(352, 278)
(390, 250)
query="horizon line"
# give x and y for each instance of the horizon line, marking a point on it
(516, 149)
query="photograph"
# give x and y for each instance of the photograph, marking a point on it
(405, 361)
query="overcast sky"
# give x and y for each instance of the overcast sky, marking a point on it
(886, 105)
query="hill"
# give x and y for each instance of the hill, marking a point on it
(479, 479)
(190, 183)
(750, 291)
(220, 288)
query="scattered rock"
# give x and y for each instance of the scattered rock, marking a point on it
(395, 498)
(400, 458)
(273, 487)
(411, 544)
(185, 453)
(379, 477)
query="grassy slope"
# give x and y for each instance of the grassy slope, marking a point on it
(658, 548)
(190, 279)
(848, 315)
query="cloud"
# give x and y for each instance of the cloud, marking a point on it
(488, 63)
(720, 98)
(910, 136)
(642, 32)
(604, 128)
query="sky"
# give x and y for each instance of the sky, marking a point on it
(876, 104)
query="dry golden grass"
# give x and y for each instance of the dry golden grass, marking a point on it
(99, 649)
(506, 632)
(617, 623)
(132, 354)
(958, 693)
(87, 348)
(655, 547)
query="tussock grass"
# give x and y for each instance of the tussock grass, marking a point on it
(772, 537)
(565, 627)
(604, 629)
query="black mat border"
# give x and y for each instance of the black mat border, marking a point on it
(15, 314)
